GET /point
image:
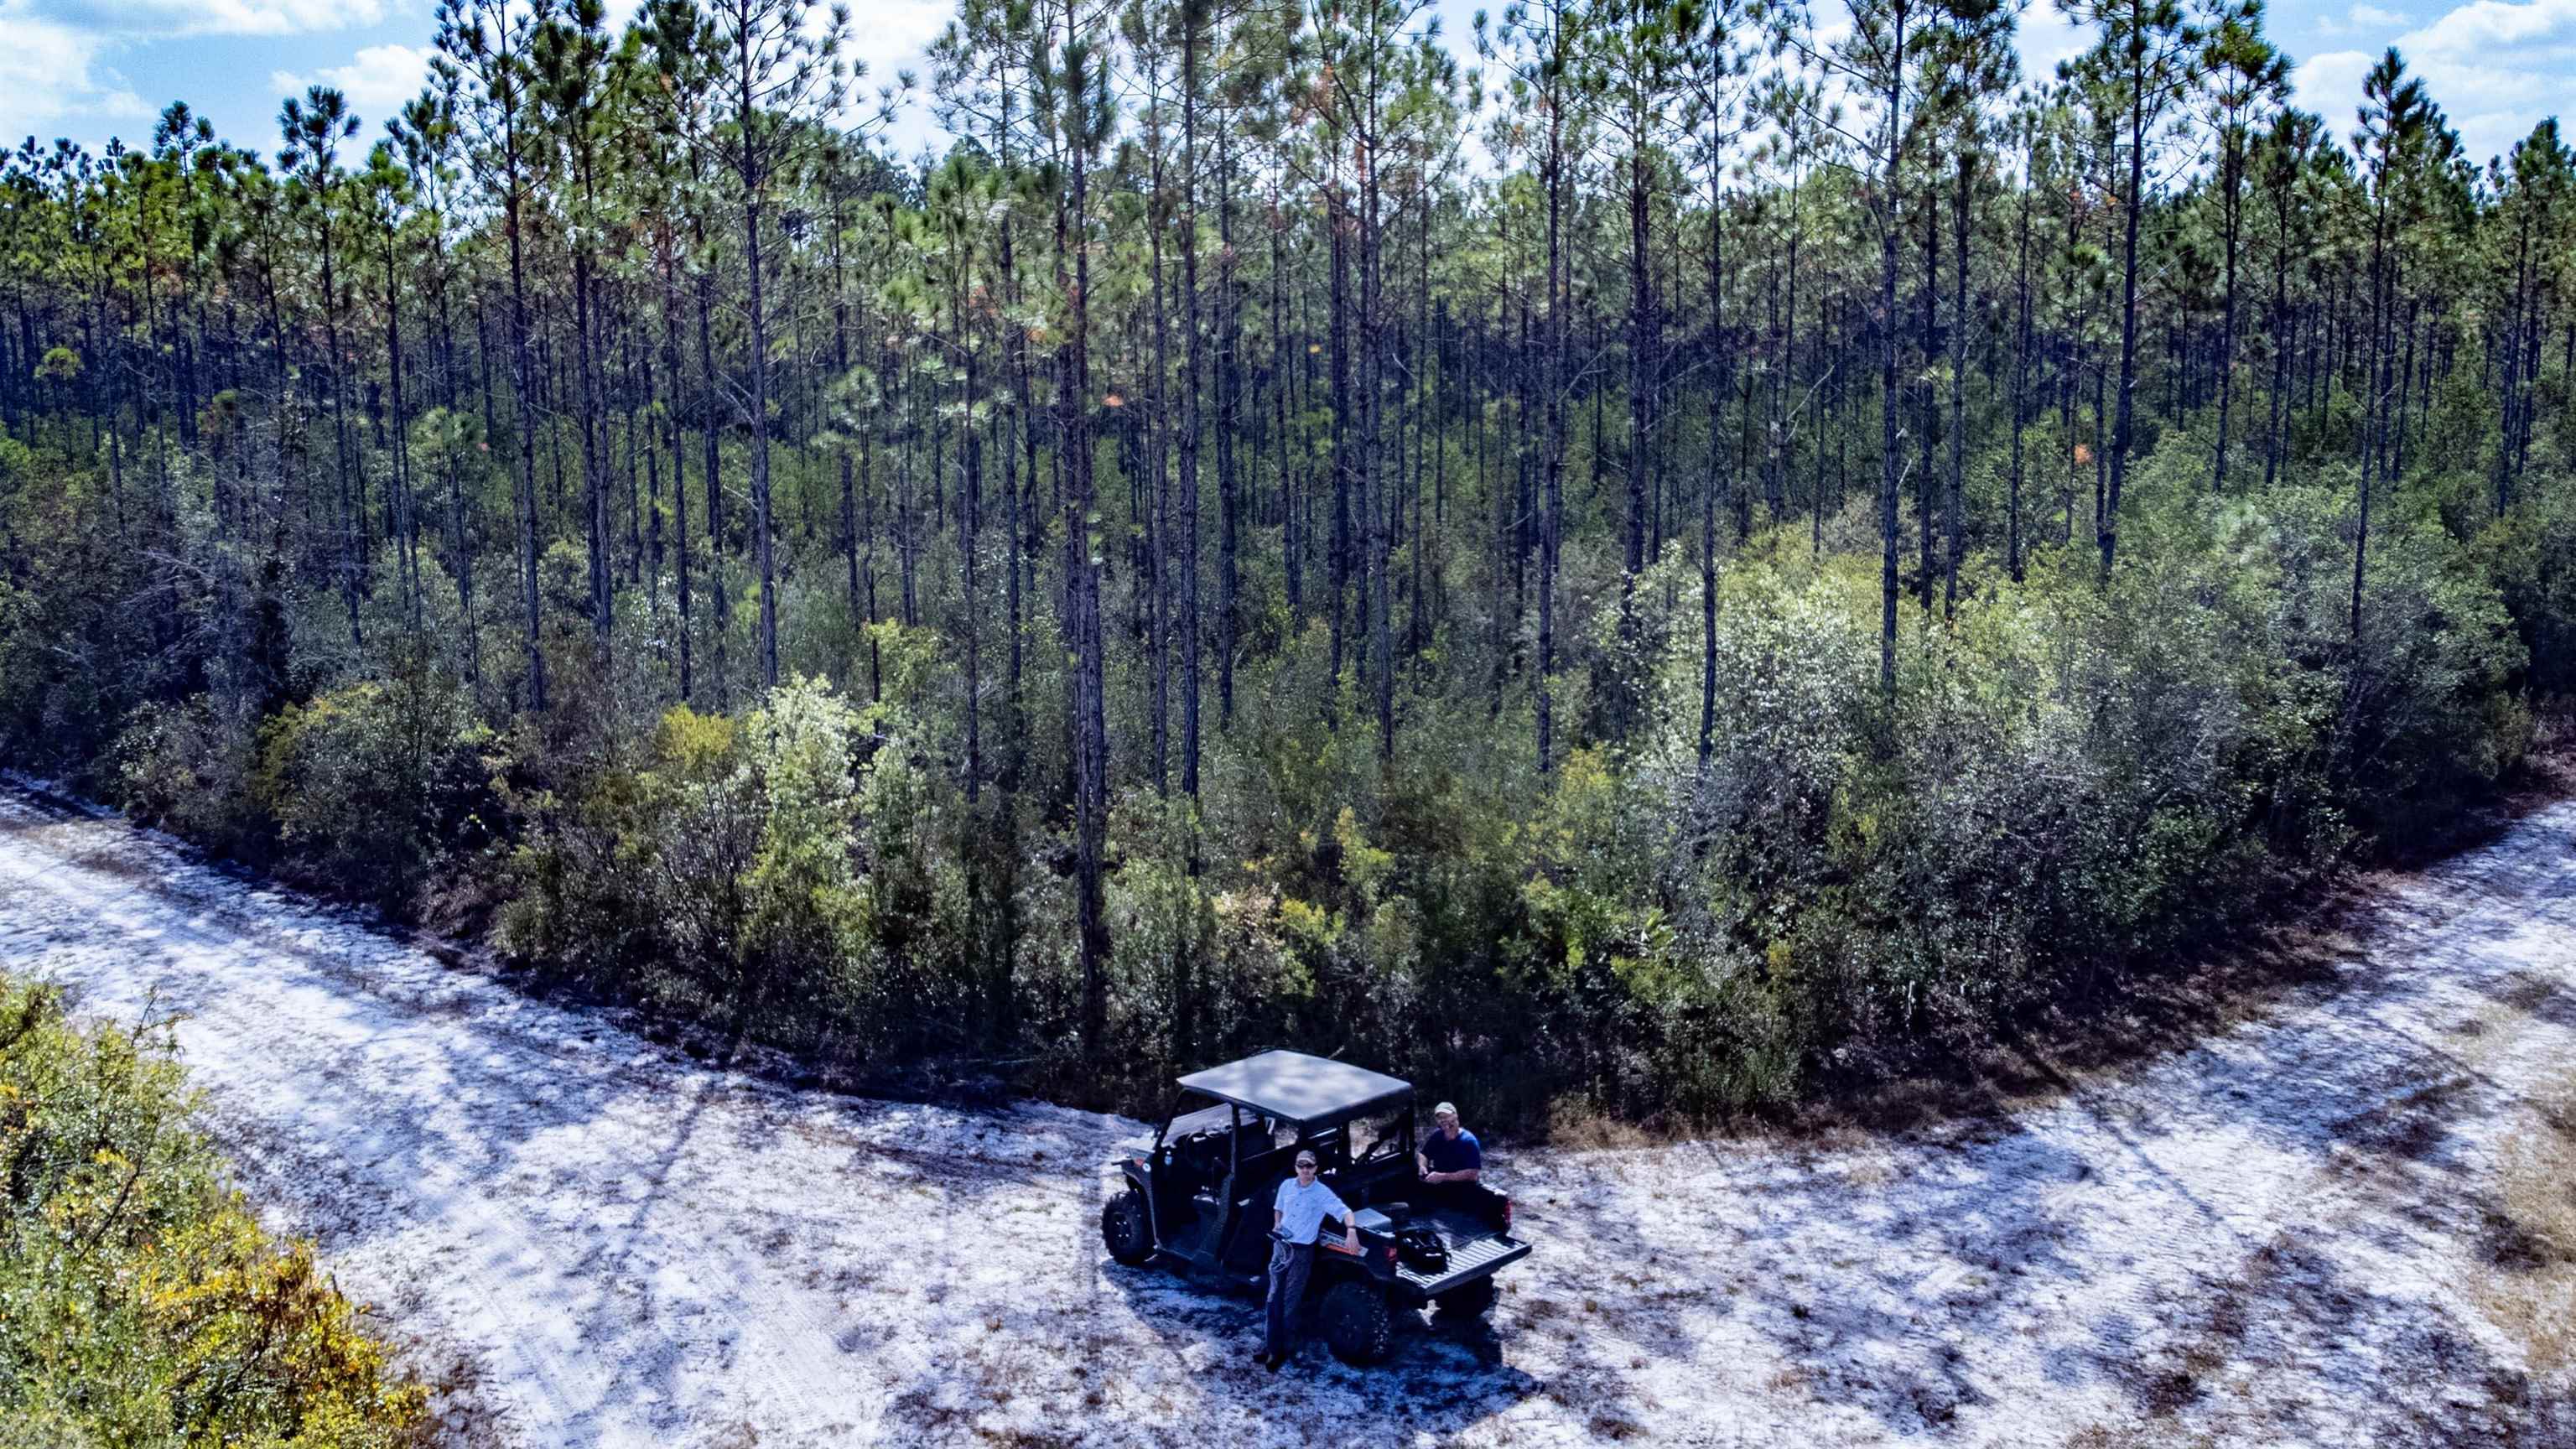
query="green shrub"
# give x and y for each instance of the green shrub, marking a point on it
(789, 876)
(372, 784)
(141, 1305)
(801, 937)
(188, 768)
(633, 879)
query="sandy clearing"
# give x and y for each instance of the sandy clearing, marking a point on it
(2271, 1238)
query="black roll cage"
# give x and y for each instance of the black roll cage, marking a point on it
(1306, 1128)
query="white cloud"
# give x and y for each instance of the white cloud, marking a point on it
(2049, 36)
(49, 74)
(892, 36)
(242, 17)
(377, 81)
(2494, 66)
(2472, 28)
(2330, 85)
(2363, 19)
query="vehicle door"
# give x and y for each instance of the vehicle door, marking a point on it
(1266, 1150)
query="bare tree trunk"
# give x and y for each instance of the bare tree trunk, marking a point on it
(1955, 522)
(1891, 205)
(761, 524)
(524, 384)
(2020, 387)
(2106, 527)
(720, 614)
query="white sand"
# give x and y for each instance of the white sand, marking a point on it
(2271, 1238)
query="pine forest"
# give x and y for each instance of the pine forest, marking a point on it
(1632, 560)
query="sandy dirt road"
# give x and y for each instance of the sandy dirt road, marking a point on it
(2287, 1234)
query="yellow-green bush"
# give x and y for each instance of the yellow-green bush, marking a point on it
(141, 1305)
(796, 876)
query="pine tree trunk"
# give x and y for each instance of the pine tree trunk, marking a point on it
(2020, 386)
(1892, 206)
(1955, 522)
(1192, 362)
(2106, 527)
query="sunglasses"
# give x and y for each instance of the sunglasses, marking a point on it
(1306, 1166)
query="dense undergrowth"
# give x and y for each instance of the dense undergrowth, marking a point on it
(2071, 780)
(1672, 604)
(141, 1305)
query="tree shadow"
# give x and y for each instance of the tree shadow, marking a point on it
(461, 1138)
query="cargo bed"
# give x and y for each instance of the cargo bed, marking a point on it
(1476, 1250)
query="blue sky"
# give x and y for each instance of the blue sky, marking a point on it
(89, 69)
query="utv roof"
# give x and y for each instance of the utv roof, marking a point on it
(1295, 1087)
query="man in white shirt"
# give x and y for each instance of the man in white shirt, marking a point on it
(1296, 1217)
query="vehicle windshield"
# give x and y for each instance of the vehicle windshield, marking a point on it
(1216, 1117)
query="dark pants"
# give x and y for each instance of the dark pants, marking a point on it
(1290, 1264)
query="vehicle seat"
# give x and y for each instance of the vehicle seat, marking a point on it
(1209, 1203)
(1208, 1186)
(1200, 1161)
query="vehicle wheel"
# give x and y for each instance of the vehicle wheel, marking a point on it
(1467, 1301)
(1123, 1229)
(1357, 1323)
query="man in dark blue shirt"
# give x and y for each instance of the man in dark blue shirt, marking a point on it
(1450, 1154)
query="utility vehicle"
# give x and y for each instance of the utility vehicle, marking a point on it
(1201, 1199)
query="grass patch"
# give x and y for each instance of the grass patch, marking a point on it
(2527, 1245)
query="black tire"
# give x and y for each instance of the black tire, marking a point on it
(1467, 1301)
(1357, 1323)
(1123, 1229)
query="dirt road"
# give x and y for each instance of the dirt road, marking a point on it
(2294, 1233)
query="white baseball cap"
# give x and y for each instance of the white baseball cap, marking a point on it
(1445, 1109)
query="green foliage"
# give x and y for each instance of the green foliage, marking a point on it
(373, 784)
(801, 885)
(2531, 554)
(634, 882)
(2067, 782)
(792, 876)
(145, 1307)
(1337, 435)
(189, 768)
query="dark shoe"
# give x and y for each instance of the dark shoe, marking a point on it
(1272, 1361)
